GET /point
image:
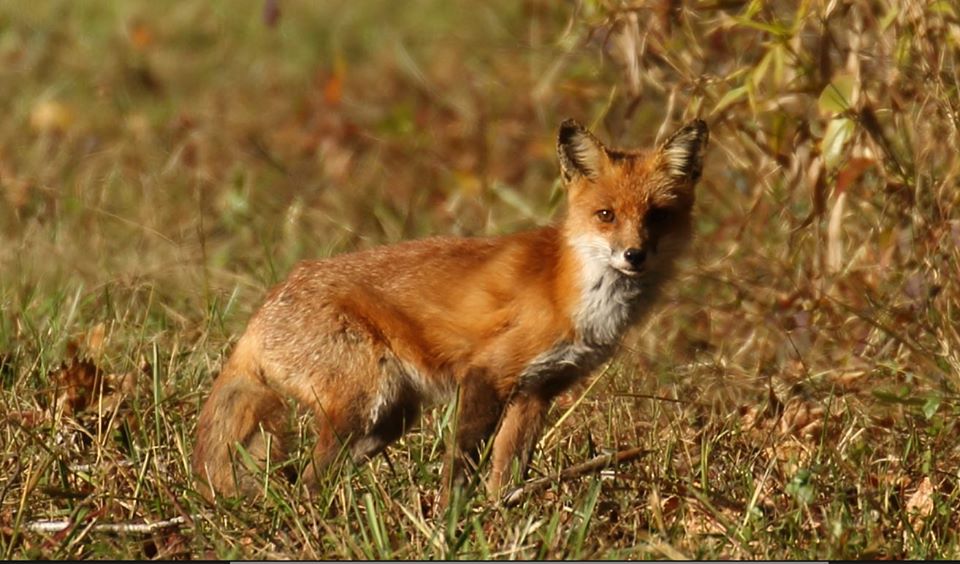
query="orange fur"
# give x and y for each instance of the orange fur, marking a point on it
(365, 340)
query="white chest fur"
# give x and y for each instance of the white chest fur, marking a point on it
(607, 307)
(607, 297)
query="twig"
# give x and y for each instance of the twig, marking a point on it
(592, 465)
(57, 525)
(83, 468)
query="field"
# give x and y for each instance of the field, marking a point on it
(162, 164)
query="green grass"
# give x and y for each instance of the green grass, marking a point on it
(163, 164)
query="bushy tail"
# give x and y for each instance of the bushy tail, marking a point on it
(241, 410)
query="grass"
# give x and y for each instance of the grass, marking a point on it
(162, 165)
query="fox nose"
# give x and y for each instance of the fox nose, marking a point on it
(635, 257)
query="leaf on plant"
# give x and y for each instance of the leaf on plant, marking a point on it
(900, 395)
(943, 7)
(837, 97)
(771, 28)
(801, 486)
(931, 406)
(839, 131)
(514, 199)
(733, 95)
(760, 70)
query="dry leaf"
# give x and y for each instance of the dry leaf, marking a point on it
(333, 90)
(798, 417)
(626, 48)
(700, 521)
(140, 36)
(835, 235)
(17, 193)
(138, 124)
(662, 507)
(50, 116)
(30, 418)
(118, 386)
(271, 12)
(78, 382)
(801, 419)
(15, 189)
(920, 505)
(95, 338)
(851, 172)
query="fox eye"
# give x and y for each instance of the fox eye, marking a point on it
(606, 216)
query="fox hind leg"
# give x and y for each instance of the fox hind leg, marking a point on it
(397, 412)
(362, 423)
(334, 432)
(479, 411)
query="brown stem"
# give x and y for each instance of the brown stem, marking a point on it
(590, 466)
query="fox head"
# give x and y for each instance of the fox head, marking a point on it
(630, 210)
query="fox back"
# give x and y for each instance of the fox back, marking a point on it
(365, 340)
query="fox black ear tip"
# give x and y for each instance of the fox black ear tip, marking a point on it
(568, 129)
(698, 128)
(570, 124)
(699, 125)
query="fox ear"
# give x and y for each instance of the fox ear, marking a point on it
(581, 154)
(681, 155)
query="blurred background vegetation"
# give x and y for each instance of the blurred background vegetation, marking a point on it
(163, 163)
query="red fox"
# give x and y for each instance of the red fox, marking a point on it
(365, 340)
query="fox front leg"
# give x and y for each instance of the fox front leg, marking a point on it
(522, 424)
